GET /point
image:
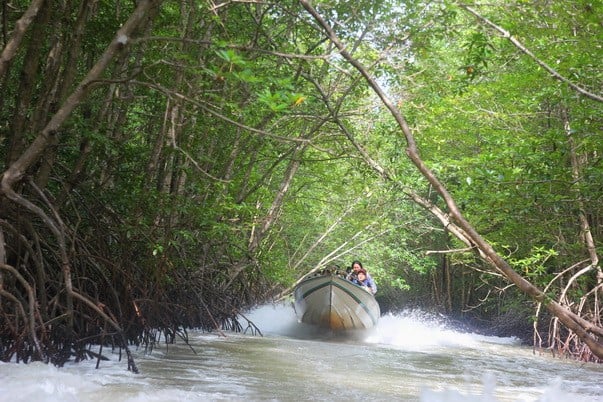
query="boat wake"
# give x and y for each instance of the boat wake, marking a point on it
(412, 330)
(430, 343)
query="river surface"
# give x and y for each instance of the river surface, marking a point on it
(407, 357)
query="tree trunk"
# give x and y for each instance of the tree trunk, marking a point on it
(59, 80)
(26, 90)
(10, 50)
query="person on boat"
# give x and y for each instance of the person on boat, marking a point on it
(357, 266)
(363, 280)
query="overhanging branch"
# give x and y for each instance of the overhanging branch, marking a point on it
(554, 73)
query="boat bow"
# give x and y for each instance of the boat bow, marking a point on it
(331, 301)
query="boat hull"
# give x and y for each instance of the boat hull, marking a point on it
(332, 302)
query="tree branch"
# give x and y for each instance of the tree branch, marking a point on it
(506, 34)
(9, 51)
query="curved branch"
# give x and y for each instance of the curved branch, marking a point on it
(31, 298)
(506, 34)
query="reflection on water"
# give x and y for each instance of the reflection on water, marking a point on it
(408, 357)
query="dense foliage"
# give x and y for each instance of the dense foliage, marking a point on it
(169, 166)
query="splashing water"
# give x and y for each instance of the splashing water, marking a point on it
(410, 356)
(408, 330)
(416, 330)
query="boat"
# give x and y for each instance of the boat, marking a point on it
(328, 300)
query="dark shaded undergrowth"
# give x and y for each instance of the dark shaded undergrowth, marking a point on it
(79, 279)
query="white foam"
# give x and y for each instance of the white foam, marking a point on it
(414, 330)
(411, 330)
(41, 382)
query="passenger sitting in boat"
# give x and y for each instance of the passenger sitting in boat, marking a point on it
(363, 280)
(356, 266)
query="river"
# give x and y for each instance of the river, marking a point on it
(407, 357)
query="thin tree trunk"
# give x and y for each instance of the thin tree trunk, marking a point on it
(577, 164)
(277, 202)
(58, 81)
(27, 83)
(11, 48)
